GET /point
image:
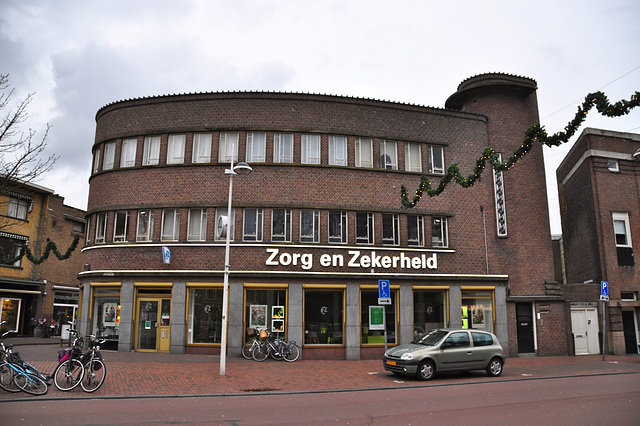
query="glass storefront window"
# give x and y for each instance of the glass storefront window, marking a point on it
(205, 315)
(371, 332)
(323, 317)
(10, 312)
(106, 313)
(477, 310)
(265, 309)
(429, 311)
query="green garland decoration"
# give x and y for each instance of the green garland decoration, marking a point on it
(535, 133)
(51, 246)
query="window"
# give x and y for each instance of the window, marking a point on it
(128, 152)
(265, 309)
(281, 225)
(614, 166)
(252, 225)
(170, 225)
(201, 148)
(197, 225)
(175, 149)
(309, 226)
(364, 152)
(11, 246)
(412, 157)
(458, 340)
(151, 152)
(10, 312)
(323, 317)
(283, 148)
(88, 235)
(338, 227)
(106, 313)
(364, 228)
(436, 159)
(231, 223)
(622, 236)
(477, 310)
(338, 150)
(371, 331)
(256, 142)
(388, 155)
(77, 227)
(18, 208)
(415, 231)
(96, 161)
(429, 311)
(390, 233)
(109, 156)
(121, 228)
(101, 227)
(205, 315)
(310, 149)
(481, 339)
(439, 232)
(228, 149)
(145, 225)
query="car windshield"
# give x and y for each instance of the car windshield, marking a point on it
(431, 338)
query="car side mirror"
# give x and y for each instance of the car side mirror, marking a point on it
(446, 345)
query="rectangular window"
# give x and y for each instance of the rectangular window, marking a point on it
(436, 159)
(201, 148)
(338, 150)
(10, 311)
(309, 226)
(96, 161)
(429, 311)
(388, 155)
(371, 323)
(622, 234)
(614, 166)
(412, 157)
(121, 227)
(11, 248)
(256, 142)
(88, 235)
(170, 225)
(18, 208)
(310, 149)
(415, 230)
(151, 152)
(283, 148)
(364, 228)
(197, 225)
(338, 227)
(101, 227)
(265, 310)
(128, 152)
(281, 225)
(109, 155)
(145, 225)
(106, 314)
(175, 149)
(252, 225)
(390, 232)
(231, 223)
(205, 315)
(439, 232)
(477, 310)
(323, 317)
(364, 152)
(228, 148)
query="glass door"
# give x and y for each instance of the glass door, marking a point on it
(154, 321)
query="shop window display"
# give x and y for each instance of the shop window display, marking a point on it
(323, 317)
(477, 310)
(265, 309)
(106, 314)
(429, 311)
(371, 328)
(10, 312)
(205, 315)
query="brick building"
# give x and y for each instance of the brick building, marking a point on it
(29, 216)
(317, 223)
(599, 188)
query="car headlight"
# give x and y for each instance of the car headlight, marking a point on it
(407, 356)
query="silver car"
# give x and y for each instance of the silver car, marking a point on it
(447, 350)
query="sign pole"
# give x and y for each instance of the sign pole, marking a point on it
(604, 330)
(384, 321)
(604, 296)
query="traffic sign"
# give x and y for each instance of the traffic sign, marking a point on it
(384, 300)
(384, 290)
(604, 288)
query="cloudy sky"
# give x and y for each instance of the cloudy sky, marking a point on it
(77, 56)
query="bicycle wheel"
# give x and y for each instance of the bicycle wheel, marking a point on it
(291, 353)
(38, 332)
(6, 378)
(30, 383)
(94, 375)
(277, 352)
(68, 374)
(247, 349)
(261, 352)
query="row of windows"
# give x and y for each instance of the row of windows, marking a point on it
(203, 144)
(281, 226)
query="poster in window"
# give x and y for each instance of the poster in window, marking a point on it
(258, 316)
(277, 312)
(109, 317)
(277, 326)
(478, 316)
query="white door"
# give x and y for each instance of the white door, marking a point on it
(584, 326)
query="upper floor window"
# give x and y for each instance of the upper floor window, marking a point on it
(310, 147)
(436, 159)
(175, 149)
(281, 225)
(364, 152)
(145, 225)
(622, 234)
(338, 150)
(388, 155)
(197, 228)
(439, 232)
(614, 166)
(109, 155)
(412, 157)
(128, 152)
(18, 208)
(11, 248)
(121, 227)
(337, 226)
(170, 225)
(96, 161)
(415, 230)
(231, 223)
(88, 234)
(252, 225)
(310, 226)
(228, 149)
(283, 148)
(101, 227)
(201, 148)
(256, 142)
(390, 232)
(151, 152)
(364, 228)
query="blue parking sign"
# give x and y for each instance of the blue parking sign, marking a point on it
(384, 290)
(604, 288)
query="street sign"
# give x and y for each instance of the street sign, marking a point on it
(384, 300)
(384, 290)
(604, 290)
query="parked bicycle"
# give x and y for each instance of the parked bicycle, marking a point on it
(76, 368)
(43, 330)
(247, 348)
(277, 349)
(17, 374)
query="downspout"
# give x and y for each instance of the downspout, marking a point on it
(34, 272)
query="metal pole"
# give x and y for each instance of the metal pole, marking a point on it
(384, 321)
(604, 330)
(225, 291)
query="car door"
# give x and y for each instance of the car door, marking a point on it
(483, 349)
(455, 352)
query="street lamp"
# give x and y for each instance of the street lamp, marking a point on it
(241, 168)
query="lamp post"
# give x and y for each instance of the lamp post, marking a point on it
(241, 168)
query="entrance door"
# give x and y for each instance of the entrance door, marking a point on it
(154, 321)
(524, 318)
(629, 329)
(584, 326)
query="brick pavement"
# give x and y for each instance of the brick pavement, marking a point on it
(151, 374)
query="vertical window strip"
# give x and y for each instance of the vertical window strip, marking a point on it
(500, 202)
(109, 156)
(283, 148)
(145, 225)
(309, 226)
(175, 149)
(121, 227)
(128, 153)
(281, 225)
(364, 152)
(170, 225)
(338, 150)
(201, 148)
(390, 232)
(338, 227)
(197, 227)
(252, 225)
(228, 148)
(415, 230)
(310, 149)
(388, 155)
(413, 157)
(439, 232)
(151, 151)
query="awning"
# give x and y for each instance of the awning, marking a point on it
(65, 288)
(12, 290)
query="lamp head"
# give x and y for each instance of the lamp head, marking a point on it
(242, 168)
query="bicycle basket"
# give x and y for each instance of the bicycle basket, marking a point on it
(263, 334)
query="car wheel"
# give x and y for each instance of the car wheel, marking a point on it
(426, 370)
(494, 368)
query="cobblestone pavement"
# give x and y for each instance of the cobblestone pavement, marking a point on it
(152, 375)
